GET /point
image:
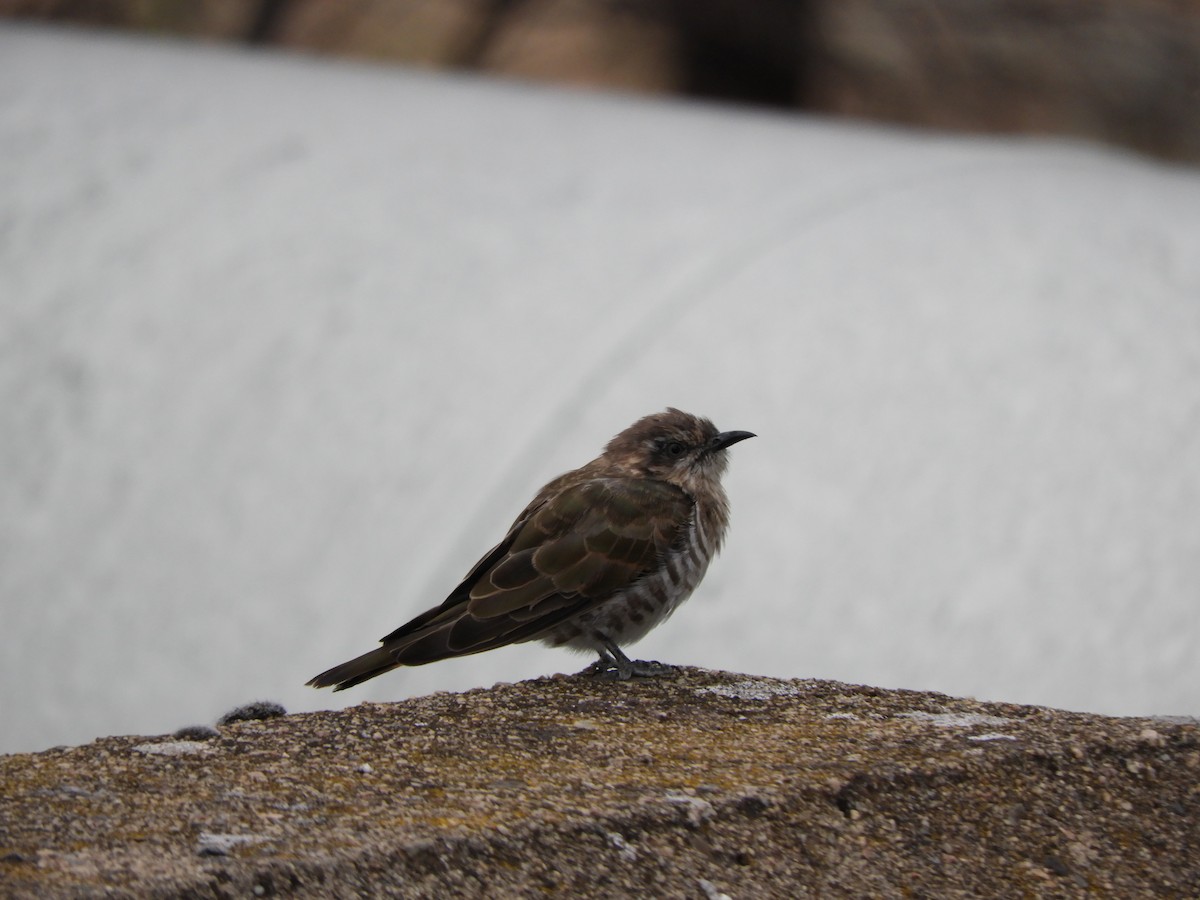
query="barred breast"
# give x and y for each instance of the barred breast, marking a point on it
(629, 615)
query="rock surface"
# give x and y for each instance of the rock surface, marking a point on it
(697, 784)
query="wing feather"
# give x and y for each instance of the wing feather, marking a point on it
(582, 545)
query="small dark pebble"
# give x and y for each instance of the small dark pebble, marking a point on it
(196, 733)
(259, 709)
(15, 857)
(752, 806)
(1057, 866)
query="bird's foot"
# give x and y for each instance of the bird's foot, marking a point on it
(614, 665)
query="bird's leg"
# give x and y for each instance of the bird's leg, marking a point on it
(614, 665)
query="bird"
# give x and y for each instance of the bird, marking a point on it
(599, 557)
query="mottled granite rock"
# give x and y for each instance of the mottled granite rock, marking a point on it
(697, 784)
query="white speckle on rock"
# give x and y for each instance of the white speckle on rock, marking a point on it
(622, 846)
(174, 748)
(698, 811)
(711, 891)
(954, 720)
(991, 736)
(753, 689)
(210, 844)
(1151, 737)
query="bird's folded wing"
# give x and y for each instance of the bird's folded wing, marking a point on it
(588, 542)
(570, 553)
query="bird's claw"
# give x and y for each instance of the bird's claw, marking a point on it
(648, 668)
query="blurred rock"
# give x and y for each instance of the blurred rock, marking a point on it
(214, 19)
(1123, 71)
(1119, 71)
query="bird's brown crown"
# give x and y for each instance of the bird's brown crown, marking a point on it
(673, 446)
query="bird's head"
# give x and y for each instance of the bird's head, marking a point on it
(674, 446)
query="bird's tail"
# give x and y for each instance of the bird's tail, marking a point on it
(358, 670)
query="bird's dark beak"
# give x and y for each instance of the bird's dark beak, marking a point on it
(728, 439)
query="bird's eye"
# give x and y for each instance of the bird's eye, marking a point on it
(674, 449)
